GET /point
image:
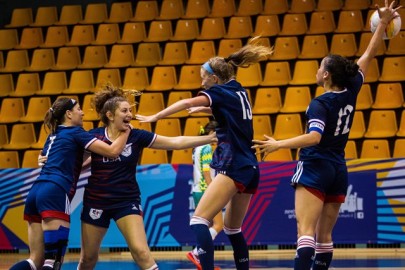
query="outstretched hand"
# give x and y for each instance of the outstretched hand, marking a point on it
(146, 119)
(388, 13)
(267, 146)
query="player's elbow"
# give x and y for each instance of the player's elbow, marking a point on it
(315, 138)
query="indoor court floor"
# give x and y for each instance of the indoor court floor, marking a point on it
(354, 259)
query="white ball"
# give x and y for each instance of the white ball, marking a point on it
(392, 29)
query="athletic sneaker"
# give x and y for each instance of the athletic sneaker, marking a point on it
(194, 259)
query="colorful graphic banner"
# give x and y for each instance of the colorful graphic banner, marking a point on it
(373, 209)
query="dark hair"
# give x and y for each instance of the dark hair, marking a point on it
(210, 126)
(224, 68)
(108, 99)
(56, 114)
(340, 68)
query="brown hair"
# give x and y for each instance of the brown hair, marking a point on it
(253, 52)
(56, 114)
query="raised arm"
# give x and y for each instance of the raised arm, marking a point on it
(386, 15)
(175, 107)
(182, 142)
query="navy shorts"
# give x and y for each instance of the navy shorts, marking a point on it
(46, 200)
(246, 178)
(329, 178)
(101, 217)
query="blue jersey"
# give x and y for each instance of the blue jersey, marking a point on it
(331, 114)
(231, 109)
(113, 181)
(64, 150)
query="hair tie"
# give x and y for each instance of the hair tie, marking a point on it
(208, 68)
(202, 130)
(51, 110)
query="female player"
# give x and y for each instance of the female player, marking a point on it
(234, 161)
(112, 191)
(47, 207)
(320, 178)
(202, 174)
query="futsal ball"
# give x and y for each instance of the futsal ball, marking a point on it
(392, 29)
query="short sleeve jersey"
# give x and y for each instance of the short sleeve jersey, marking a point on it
(202, 156)
(331, 114)
(64, 151)
(113, 180)
(232, 110)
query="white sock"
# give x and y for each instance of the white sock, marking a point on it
(213, 233)
(32, 264)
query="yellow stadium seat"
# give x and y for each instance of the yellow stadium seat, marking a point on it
(266, 26)
(11, 110)
(250, 76)
(133, 32)
(171, 10)
(358, 127)
(107, 76)
(89, 111)
(43, 135)
(351, 150)
(56, 36)
(287, 126)
(163, 79)
(221, 8)
(141, 125)
(145, 11)
(343, 44)
(42, 60)
(286, 48)
(81, 82)
(82, 35)
(159, 31)
(189, 78)
(356, 5)
(22, 136)
(27, 85)
(194, 124)
(294, 24)
(365, 40)
(45, 16)
(389, 96)
(148, 54)
(175, 53)
(382, 124)
(364, 98)
(121, 55)
(350, 21)
(276, 74)
(168, 127)
(239, 27)
(8, 39)
(196, 9)
(399, 148)
(183, 156)
(150, 103)
(228, 46)
(7, 84)
(20, 17)
(153, 156)
(329, 5)
(297, 99)
(36, 109)
(212, 28)
(95, 13)
(9, 160)
(401, 130)
(314, 47)
(249, 8)
(304, 72)
(271, 7)
(70, 15)
(373, 72)
(30, 38)
(30, 159)
(16, 61)
(396, 45)
(68, 58)
(175, 96)
(87, 125)
(267, 101)
(3, 135)
(321, 22)
(136, 78)
(375, 149)
(302, 6)
(393, 69)
(186, 30)
(120, 12)
(94, 57)
(201, 51)
(107, 34)
(261, 126)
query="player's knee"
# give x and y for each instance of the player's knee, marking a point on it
(141, 254)
(55, 247)
(88, 261)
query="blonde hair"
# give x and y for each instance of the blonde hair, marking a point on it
(253, 52)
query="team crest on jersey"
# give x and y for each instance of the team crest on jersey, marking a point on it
(127, 150)
(95, 213)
